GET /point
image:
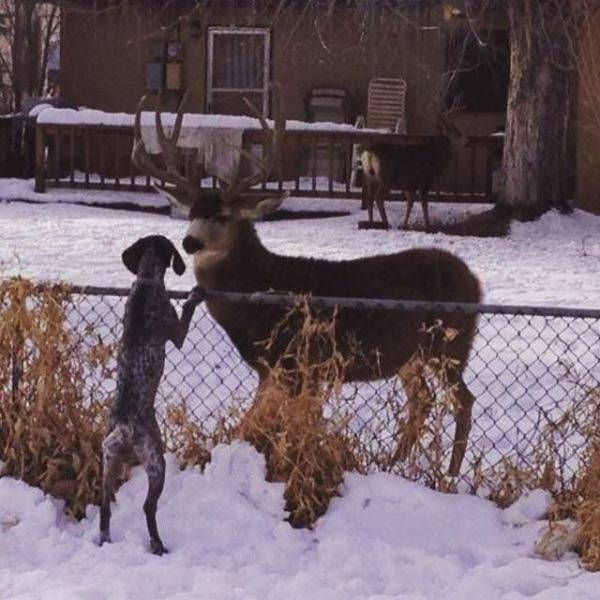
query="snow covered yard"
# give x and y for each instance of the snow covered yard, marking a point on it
(384, 538)
(555, 261)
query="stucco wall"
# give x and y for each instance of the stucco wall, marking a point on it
(103, 57)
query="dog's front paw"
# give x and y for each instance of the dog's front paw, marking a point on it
(197, 295)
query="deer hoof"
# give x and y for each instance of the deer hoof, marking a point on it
(157, 548)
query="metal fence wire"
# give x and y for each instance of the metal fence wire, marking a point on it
(534, 372)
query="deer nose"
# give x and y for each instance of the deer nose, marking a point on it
(191, 244)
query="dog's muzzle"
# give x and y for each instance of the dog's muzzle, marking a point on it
(191, 244)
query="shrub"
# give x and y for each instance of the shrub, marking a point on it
(50, 432)
(307, 451)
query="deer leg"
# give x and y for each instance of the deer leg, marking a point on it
(113, 453)
(150, 454)
(463, 408)
(424, 205)
(410, 200)
(420, 401)
(369, 200)
(381, 205)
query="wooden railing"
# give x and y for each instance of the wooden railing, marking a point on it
(318, 163)
(16, 146)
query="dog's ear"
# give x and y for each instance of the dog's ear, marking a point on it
(132, 256)
(177, 262)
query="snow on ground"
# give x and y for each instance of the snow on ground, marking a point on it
(555, 261)
(385, 538)
(514, 376)
(22, 189)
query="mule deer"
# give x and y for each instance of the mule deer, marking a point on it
(229, 256)
(411, 169)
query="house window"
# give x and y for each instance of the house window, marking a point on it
(238, 67)
(479, 70)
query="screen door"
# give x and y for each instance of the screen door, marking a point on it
(238, 66)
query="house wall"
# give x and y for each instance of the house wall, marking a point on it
(104, 56)
(588, 133)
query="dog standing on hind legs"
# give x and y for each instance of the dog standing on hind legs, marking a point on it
(149, 321)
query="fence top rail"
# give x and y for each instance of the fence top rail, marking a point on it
(280, 299)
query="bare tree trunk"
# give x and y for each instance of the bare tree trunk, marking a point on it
(538, 108)
(51, 24)
(19, 51)
(25, 49)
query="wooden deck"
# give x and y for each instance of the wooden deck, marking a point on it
(319, 162)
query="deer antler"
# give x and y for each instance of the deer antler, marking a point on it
(168, 145)
(273, 148)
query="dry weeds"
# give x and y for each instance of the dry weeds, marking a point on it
(51, 428)
(307, 451)
(50, 433)
(587, 511)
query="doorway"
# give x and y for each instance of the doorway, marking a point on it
(238, 66)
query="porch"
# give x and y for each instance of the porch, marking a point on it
(317, 162)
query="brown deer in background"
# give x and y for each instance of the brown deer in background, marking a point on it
(229, 256)
(411, 169)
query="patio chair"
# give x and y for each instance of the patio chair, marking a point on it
(386, 110)
(329, 105)
(386, 106)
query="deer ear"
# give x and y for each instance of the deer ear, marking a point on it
(131, 256)
(255, 208)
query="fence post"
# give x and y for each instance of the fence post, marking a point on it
(40, 167)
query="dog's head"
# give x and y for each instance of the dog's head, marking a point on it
(155, 251)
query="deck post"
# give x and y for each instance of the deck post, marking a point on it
(40, 167)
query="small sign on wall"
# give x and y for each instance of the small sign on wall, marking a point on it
(173, 76)
(154, 75)
(174, 50)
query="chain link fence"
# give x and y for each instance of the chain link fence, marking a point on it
(534, 372)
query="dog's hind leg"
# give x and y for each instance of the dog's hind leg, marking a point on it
(113, 453)
(150, 455)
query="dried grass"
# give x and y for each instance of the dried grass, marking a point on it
(51, 429)
(580, 502)
(427, 462)
(50, 432)
(587, 511)
(307, 451)
(190, 441)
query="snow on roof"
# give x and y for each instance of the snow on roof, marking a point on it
(38, 109)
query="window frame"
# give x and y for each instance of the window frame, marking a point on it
(264, 91)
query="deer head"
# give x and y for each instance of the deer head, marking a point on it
(446, 128)
(217, 216)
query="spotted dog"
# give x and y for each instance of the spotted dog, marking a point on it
(149, 321)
